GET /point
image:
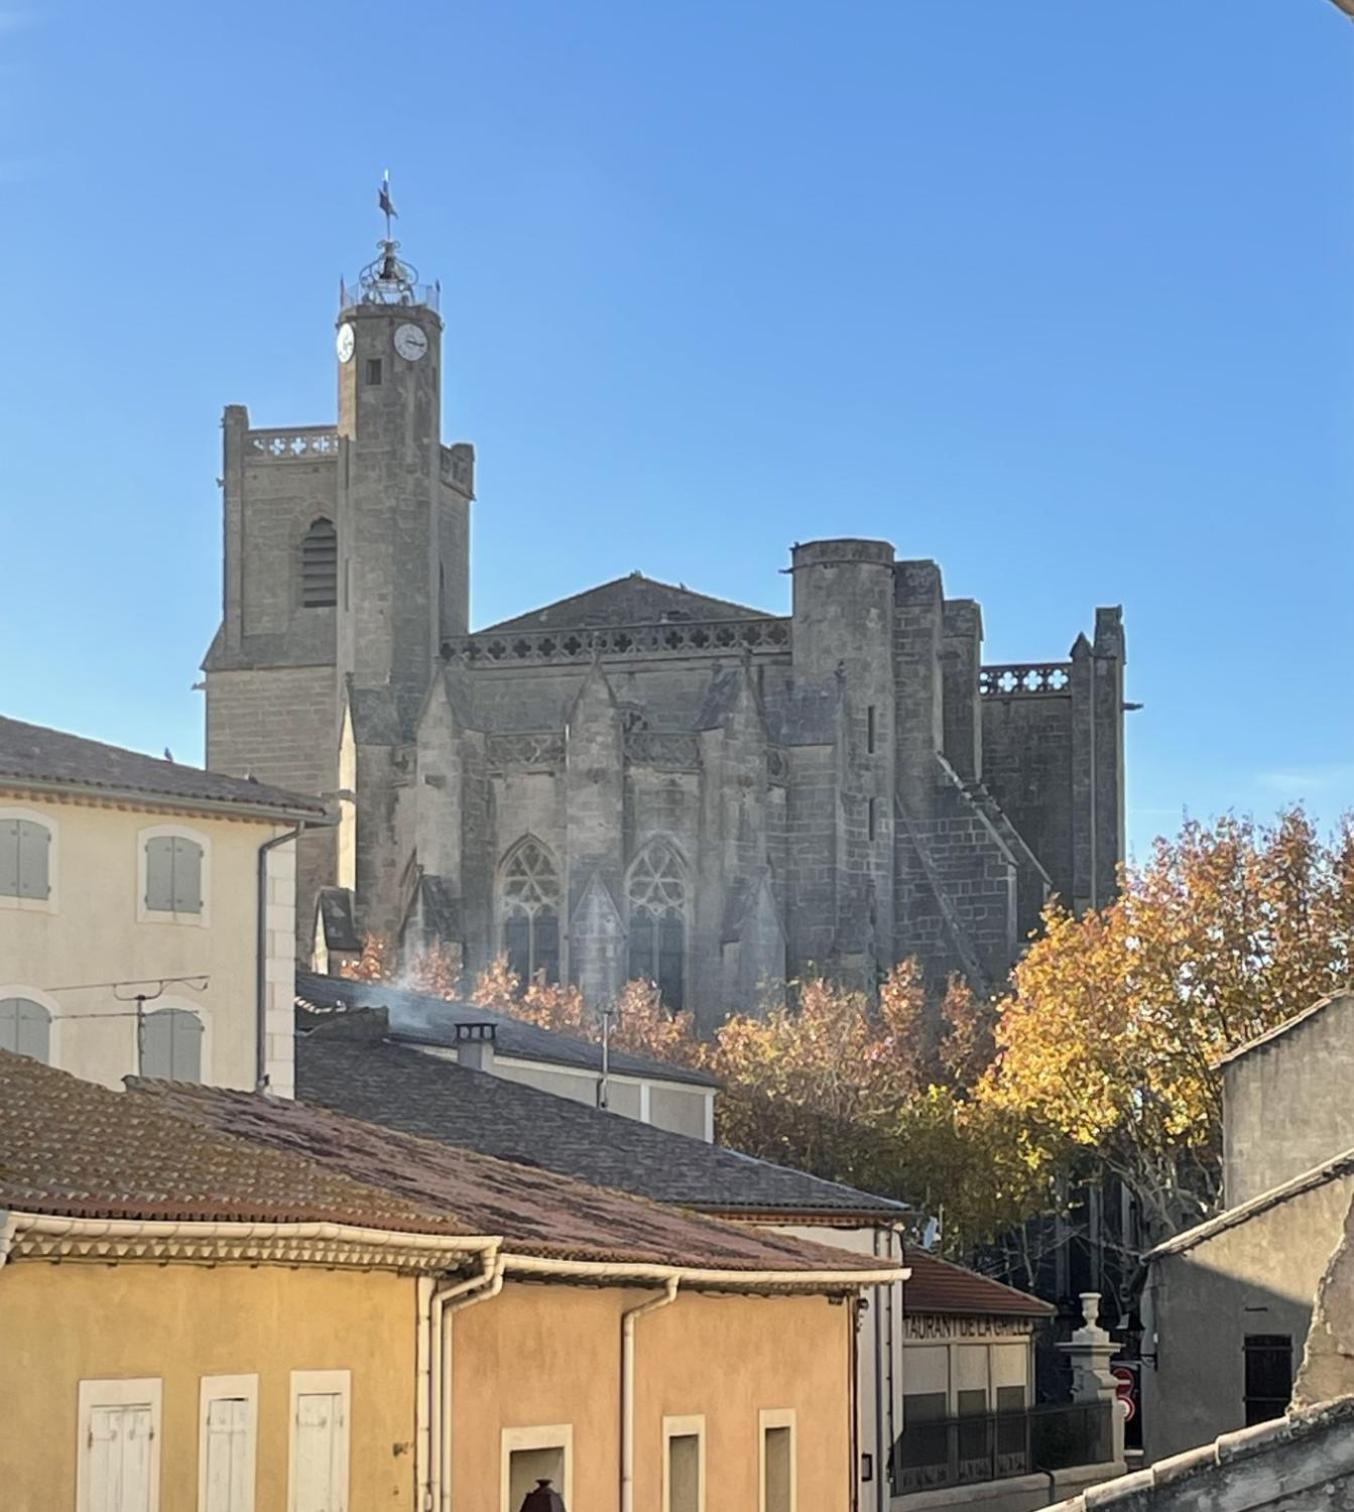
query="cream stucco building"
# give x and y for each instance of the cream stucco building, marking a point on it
(147, 914)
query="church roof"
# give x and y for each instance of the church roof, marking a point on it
(37, 757)
(632, 600)
(369, 1077)
(418, 1018)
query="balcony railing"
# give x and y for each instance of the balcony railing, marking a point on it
(995, 1446)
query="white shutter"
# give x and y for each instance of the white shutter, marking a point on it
(319, 1447)
(9, 858)
(227, 1451)
(160, 874)
(119, 1453)
(35, 843)
(187, 884)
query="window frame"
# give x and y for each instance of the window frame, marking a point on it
(49, 904)
(691, 1426)
(512, 910)
(43, 1000)
(777, 1417)
(544, 1436)
(656, 920)
(1253, 1346)
(215, 1388)
(146, 915)
(320, 1383)
(107, 1392)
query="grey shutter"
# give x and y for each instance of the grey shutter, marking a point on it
(160, 874)
(171, 1045)
(34, 847)
(9, 858)
(26, 1028)
(187, 886)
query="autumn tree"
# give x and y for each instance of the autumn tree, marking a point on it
(1106, 1048)
(435, 971)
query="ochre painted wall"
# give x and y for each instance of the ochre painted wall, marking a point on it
(550, 1355)
(60, 1324)
(92, 934)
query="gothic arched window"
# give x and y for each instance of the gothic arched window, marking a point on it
(529, 909)
(657, 896)
(319, 566)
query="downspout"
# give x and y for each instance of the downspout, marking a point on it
(853, 1398)
(878, 1309)
(628, 1320)
(445, 1301)
(261, 942)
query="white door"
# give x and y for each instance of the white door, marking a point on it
(320, 1471)
(120, 1447)
(227, 1450)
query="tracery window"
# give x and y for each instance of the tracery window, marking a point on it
(529, 910)
(319, 566)
(657, 896)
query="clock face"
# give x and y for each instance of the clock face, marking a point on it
(410, 342)
(345, 343)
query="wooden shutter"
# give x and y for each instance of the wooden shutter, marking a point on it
(9, 858)
(160, 874)
(119, 1449)
(26, 1028)
(34, 848)
(319, 1448)
(226, 1474)
(187, 876)
(171, 1045)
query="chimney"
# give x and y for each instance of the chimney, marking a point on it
(475, 1045)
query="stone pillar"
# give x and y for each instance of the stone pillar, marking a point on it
(1089, 1352)
(961, 654)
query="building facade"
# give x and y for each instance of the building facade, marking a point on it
(636, 780)
(147, 915)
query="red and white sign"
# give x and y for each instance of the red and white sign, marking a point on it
(1126, 1390)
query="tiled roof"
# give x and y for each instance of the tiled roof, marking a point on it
(632, 600)
(936, 1286)
(73, 1148)
(536, 1212)
(438, 1099)
(416, 1018)
(33, 753)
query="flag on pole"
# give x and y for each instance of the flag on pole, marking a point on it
(384, 200)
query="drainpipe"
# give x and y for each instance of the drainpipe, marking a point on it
(877, 1450)
(447, 1300)
(8, 1224)
(261, 1031)
(628, 1321)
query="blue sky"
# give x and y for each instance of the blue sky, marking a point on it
(1058, 294)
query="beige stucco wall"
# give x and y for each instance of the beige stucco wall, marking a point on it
(1286, 1104)
(549, 1356)
(61, 1324)
(1259, 1277)
(91, 934)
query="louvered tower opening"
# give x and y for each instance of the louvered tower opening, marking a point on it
(319, 566)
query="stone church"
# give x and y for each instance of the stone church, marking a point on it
(637, 780)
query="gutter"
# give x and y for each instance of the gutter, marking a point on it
(179, 803)
(730, 1280)
(629, 1318)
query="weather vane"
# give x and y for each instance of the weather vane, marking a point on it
(386, 203)
(387, 280)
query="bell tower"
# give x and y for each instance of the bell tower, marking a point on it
(403, 498)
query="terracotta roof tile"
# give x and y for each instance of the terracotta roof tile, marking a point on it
(936, 1286)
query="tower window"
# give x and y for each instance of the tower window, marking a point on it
(373, 372)
(319, 566)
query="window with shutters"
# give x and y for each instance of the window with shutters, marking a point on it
(684, 1464)
(27, 860)
(118, 1469)
(171, 1045)
(174, 876)
(778, 1481)
(26, 1028)
(227, 1438)
(319, 566)
(319, 1440)
(528, 906)
(657, 896)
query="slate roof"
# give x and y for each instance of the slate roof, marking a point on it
(632, 600)
(418, 1019)
(936, 1286)
(34, 753)
(537, 1212)
(437, 1099)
